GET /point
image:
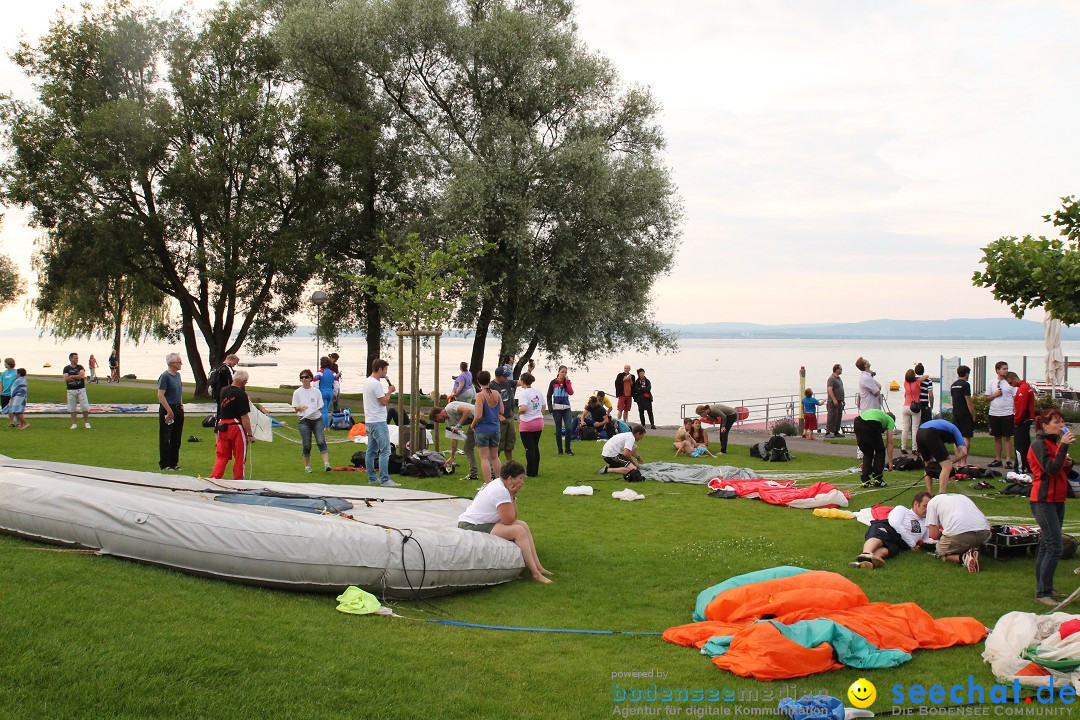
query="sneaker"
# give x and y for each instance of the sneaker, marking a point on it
(326, 468)
(971, 561)
(372, 481)
(307, 469)
(877, 562)
(1045, 600)
(867, 484)
(74, 426)
(1008, 463)
(87, 425)
(1058, 596)
(560, 451)
(994, 463)
(880, 483)
(391, 483)
(862, 564)
(569, 452)
(470, 478)
(652, 427)
(602, 470)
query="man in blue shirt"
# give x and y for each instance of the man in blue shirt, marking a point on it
(931, 440)
(170, 414)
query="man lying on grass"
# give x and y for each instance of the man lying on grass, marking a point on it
(904, 528)
(494, 510)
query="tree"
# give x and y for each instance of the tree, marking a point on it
(11, 283)
(80, 296)
(1038, 272)
(207, 166)
(537, 150)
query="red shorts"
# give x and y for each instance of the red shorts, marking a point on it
(624, 402)
(810, 421)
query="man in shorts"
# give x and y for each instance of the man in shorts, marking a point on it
(959, 528)
(620, 452)
(75, 377)
(624, 392)
(963, 406)
(931, 440)
(507, 433)
(903, 529)
(1001, 395)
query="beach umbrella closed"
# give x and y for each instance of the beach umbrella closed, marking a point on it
(1055, 358)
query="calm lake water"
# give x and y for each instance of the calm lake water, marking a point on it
(701, 371)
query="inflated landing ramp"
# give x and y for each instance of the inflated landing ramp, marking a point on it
(394, 542)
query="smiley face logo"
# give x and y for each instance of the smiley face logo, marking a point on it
(862, 693)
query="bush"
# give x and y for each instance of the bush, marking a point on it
(129, 376)
(785, 426)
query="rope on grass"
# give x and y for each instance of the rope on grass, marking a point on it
(457, 623)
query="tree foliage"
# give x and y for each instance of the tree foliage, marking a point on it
(1037, 272)
(187, 143)
(11, 283)
(536, 149)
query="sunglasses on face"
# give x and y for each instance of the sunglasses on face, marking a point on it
(306, 377)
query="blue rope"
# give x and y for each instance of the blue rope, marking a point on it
(455, 623)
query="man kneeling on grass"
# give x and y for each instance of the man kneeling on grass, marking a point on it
(903, 529)
(959, 528)
(620, 452)
(494, 510)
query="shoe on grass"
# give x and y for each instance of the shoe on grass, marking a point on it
(994, 463)
(87, 425)
(307, 468)
(880, 483)
(1046, 600)
(970, 560)
(877, 562)
(390, 483)
(569, 452)
(602, 470)
(74, 426)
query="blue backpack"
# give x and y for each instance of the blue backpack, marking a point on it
(341, 420)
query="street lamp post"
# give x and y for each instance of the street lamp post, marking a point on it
(318, 298)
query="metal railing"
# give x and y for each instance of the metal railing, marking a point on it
(761, 411)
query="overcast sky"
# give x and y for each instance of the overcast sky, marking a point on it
(838, 160)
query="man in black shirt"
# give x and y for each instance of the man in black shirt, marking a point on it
(963, 406)
(75, 377)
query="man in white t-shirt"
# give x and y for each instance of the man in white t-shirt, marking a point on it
(959, 528)
(378, 434)
(904, 529)
(620, 451)
(1001, 395)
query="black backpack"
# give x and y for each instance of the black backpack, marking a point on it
(587, 432)
(908, 462)
(425, 463)
(778, 451)
(215, 379)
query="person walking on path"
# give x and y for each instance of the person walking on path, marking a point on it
(114, 367)
(1023, 417)
(170, 397)
(531, 408)
(1001, 395)
(834, 404)
(233, 428)
(644, 398)
(378, 432)
(1048, 458)
(558, 399)
(75, 377)
(307, 401)
(869, 387)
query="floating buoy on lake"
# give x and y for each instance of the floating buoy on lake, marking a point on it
(894, 386)
(47, 365)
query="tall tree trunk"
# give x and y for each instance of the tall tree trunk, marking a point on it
(198, 370)
(118, 330)
(483, 323)
(372, 331)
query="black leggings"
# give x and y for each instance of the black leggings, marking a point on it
(868, 436)
(531, 441)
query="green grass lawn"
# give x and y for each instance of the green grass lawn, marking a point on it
(88, 636)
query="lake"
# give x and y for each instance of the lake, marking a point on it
(703, 370)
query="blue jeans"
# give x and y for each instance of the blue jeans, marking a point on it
(563, 419)
(378, 446)
(307, 429)
(1050, 517)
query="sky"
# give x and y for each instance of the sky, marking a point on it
(837, 160)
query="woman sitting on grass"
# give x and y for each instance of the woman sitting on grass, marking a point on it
(700, 438)
(683, 442)
(494, 510)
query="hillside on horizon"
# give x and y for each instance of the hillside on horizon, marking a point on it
(953, 329)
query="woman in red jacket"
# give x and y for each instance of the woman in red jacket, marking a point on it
(1049, 488)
